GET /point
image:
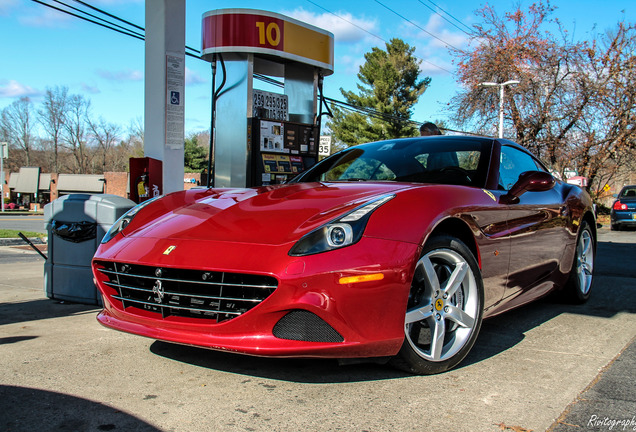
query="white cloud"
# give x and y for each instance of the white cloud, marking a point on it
(435, 25)
(14, 89)
(345, 29)
(6, 6)
(433, 65)
(90, 89)
(193, 78)
(442, 40)
(123, 75)
(45, 17)
(349, 65)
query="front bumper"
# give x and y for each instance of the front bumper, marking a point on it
(368, 317)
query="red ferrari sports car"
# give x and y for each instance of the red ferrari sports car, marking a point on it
(395, 249)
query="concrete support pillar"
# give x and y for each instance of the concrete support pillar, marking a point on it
(164, 88)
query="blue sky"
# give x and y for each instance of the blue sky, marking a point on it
(44, 48)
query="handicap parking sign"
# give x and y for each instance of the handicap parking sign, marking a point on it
(174, 98)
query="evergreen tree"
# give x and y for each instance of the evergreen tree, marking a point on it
(195, 157)
(390, 84)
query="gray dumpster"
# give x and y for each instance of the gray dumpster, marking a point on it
(76, 224)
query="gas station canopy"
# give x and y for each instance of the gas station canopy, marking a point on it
(268, 34)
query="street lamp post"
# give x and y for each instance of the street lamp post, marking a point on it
(501, 100)
(3, 155)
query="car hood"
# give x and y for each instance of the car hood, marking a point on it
(265, 215)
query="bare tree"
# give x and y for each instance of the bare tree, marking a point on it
(53, 116)
(106, 136)
(76, 132)
(136, 130)
(607, 129)
(17, 126)
(574, 105)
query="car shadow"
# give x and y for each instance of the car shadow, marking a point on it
(613, 261)
(32, 310)
(29, 409)
(308, 371)
(497, 334)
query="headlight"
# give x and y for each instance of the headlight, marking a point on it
(123, 221)
(339, 233)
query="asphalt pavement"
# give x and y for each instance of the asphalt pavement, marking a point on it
(22, 222)
(545, 366)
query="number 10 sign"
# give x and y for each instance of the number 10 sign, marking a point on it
(261, 32)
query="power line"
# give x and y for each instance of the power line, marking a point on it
(415, 25)
(139, 36)
(374, 35)
(387, 117)
(127, 33)
(115, 27)
(108, 24)
(124, 21)
(110, 15)
(449, 14)
(96, 17)
(369, 111)
(443, 17)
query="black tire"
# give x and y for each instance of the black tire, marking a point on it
(452, 311)
(615, 227)
(579, 285)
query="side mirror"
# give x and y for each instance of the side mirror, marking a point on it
(529, 181)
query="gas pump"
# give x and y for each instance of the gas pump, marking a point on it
(281, 150)
(146, 178)
(259, 137)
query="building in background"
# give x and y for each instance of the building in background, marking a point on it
(30, 189)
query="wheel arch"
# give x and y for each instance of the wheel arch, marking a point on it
(591, 221)
(457, 227)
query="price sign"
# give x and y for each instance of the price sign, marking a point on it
(269, 105)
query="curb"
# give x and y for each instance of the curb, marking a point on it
(20, 242)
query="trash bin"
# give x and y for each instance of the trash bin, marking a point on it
(76, 224)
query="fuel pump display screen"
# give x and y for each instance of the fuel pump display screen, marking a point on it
(271, 137)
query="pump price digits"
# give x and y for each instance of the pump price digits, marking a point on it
(271, 105)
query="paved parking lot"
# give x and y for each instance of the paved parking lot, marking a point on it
(60, 370)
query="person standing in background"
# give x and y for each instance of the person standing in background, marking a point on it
(428, 129)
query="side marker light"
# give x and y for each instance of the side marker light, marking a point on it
(362, 278)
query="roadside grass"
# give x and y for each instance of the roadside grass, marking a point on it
(7, 233)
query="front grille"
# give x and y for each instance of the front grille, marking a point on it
(188, 293)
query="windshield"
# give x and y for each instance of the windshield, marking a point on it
(444, 160)
(629, 192)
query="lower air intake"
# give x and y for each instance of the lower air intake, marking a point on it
(305, 326)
